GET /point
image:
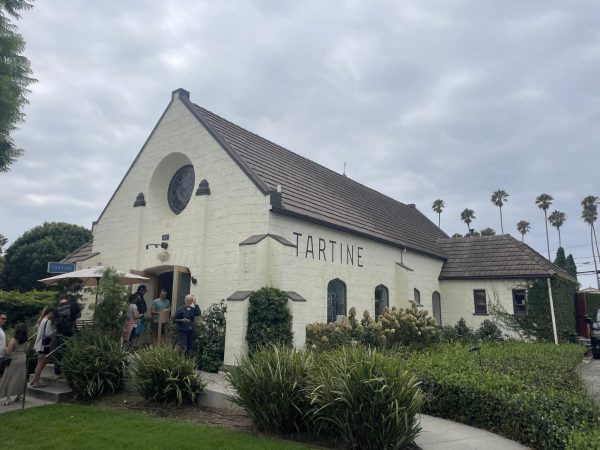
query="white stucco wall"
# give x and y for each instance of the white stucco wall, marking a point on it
(307, 274)
(205, 236)
(457, 299)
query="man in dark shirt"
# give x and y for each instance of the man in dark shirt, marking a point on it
(65, 316)
(184, 321)
(142, 308)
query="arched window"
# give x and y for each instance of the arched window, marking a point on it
(336, 300)
(417, 296)
(436, 307)
(382, 299)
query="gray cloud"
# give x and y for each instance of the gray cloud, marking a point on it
(422, 100)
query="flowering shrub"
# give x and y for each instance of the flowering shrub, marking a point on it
(396, 326)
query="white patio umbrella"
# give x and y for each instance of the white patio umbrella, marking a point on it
(91, 277)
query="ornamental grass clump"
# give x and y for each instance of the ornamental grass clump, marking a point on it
(269, 386)
(94, 364)
(162, 374)
(366, 399)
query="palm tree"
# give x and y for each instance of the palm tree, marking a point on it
(500, 197)
(438, 206)
(589, 216)
(467, 217)
(557, 219)
(544, 201)
(523, 227)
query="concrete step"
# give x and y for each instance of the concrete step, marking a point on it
(57, 389)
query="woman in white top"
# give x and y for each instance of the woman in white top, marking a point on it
(42, 344)
(133, 318)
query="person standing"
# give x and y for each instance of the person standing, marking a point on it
(3, 318)
(184, 320)
(2, 339)
(65, 316)
(132, 322)
(158, 305)
(14, 377)
(42, 344)
(141, 309)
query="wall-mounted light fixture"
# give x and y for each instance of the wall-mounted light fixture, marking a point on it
(164, 245)
(194, 280)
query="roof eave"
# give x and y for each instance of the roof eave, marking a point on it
(260, 184)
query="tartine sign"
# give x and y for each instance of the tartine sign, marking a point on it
(58, 267)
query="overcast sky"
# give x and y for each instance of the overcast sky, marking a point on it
(421, 99)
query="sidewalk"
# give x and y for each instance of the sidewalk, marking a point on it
(441, 434)
(30, 402)
(590, 372)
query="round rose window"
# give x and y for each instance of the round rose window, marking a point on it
(181, 188)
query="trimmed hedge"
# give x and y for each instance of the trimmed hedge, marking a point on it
(527, 392)
(269, 319)
(24, 306)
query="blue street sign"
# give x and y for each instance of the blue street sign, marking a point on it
(56, 267)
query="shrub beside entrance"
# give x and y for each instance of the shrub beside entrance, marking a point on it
(94, 364)
(162, 374)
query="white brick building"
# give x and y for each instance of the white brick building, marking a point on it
(239, 212)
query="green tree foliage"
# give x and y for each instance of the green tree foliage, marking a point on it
(3, 242)
(15, 77)
(269, 319)
(457, 235)
(523, 227)
(557, 220)
(24, 307)
(544, 201)
(27, 258)
(110, 309)
(438, 206)
(589, 215)
(561, 259)
(500, 197)
(467, 216)
(570, 265)
(488, 232)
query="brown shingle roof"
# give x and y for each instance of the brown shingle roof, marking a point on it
(314, 193)
(491, 257)
(80, 254)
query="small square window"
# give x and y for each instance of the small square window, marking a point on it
(519, 302)
(480, 300)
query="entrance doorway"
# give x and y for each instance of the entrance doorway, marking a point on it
(176, 280)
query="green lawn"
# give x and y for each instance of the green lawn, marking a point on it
(78, 427)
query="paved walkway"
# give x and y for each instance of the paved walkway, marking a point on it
(590, 372)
